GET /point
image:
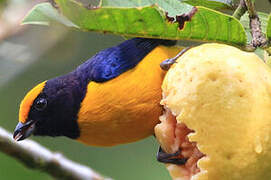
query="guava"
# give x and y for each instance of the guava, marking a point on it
(217, 102)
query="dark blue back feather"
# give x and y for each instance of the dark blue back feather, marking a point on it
(111, 62)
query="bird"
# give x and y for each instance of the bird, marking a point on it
(112, 98)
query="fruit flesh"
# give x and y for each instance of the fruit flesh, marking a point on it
(173, 136)
(224, 95)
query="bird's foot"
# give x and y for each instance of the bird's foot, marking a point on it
(170, 158)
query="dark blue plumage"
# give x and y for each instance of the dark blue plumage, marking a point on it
(111, 62)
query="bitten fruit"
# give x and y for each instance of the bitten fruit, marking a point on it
(217, 102)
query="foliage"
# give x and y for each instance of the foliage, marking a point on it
(169, 19)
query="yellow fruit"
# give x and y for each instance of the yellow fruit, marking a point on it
(220, 97)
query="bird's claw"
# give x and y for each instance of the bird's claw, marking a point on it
(170, 158)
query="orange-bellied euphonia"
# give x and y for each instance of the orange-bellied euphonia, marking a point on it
(112, 98)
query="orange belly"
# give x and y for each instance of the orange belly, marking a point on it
(126, 108)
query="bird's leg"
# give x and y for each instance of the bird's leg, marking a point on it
(165, 65)
(170, 158)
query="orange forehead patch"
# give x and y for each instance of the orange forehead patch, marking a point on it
(28, 101)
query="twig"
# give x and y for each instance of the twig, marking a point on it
(238, 13)
(258, 39)
(240, 10)
(33, 155)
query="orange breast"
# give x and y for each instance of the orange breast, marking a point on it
(126, 108)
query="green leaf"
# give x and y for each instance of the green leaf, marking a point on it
(45, 14)
(245, 22)
(268, 29)
(213, 4)
(167, 19)
(172, 7)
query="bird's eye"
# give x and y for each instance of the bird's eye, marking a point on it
(41, 104)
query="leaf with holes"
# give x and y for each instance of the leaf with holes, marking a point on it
(167, 19)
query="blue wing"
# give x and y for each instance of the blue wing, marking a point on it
(112, 62)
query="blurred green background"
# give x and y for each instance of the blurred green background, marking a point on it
(32, 54)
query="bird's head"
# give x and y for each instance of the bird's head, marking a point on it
(49, 109)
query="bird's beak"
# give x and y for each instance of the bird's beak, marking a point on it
(24, 130)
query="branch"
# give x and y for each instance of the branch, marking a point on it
(258, 39)
(33, 155)
(240, 10)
